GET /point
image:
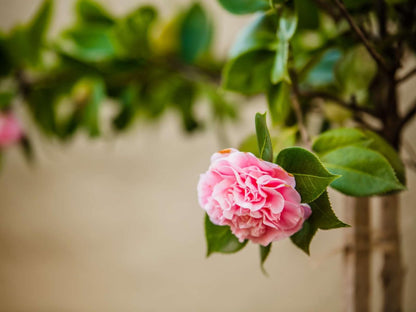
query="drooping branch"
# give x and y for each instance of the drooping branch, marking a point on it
(373, 52)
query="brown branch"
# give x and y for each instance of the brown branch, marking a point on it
(352, 106)
(406, 76)
(408, 116)
(376, 56)
(325, 6)
(298, 110)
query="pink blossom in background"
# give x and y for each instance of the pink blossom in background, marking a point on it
(10, 129)
(256, 198)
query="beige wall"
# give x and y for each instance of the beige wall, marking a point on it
(114, 225)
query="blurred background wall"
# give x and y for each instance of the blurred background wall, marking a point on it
(114, 224)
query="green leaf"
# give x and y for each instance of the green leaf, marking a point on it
(24, 43)
(288, 22)
(337, 138)
(323, 217)
(6, 63)
(244, 6)
(91, 103)
(6, 98)
(184, 99)
(248, 73)
(384, 148)
(364, 172)
(195, 33)
(258, 35)
(88, 43)
(322, 73)
(308, 14)
(133, 31)
(91, 12)
(220, 239)
(312, 178)
(278, 99)
(303, 238)
(287, 27)
(264, 253)
(37, 28)
(127, 111)
(263, 138)
(356, 70)
(280, 70)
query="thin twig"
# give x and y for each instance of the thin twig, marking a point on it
(408, 116)
(328, 8)
(377, 57)
(298, 109)
(350, 106)
(406, 76)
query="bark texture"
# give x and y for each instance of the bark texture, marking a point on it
(392, 274)
(357, 255)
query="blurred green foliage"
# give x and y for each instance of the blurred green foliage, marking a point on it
(144, 65)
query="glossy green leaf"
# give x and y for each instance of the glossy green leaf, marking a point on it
(195, 34)
(303, 238)
(323, 217)
(220, 239)
(244, 6)
(248, 73)
(312, 178)
(355, 70)
(380, 145)
(322, 73)
(263, 138)
(37, 28)
(258, 35)
(288, 21)
(278, 100)
(132, 32)
(91, 12)
(95, 94)
(337, 138)
(88, 43)
(264, 254)
(280, 65)
(364, 172)
(127, 112)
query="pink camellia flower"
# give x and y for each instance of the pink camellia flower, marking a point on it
(256, 198)
(10, 129)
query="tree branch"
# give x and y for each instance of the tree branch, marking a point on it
(325, 6)
(352, 106)
(298, 110)
(408, 116)
(406, 76)
(376, 56)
